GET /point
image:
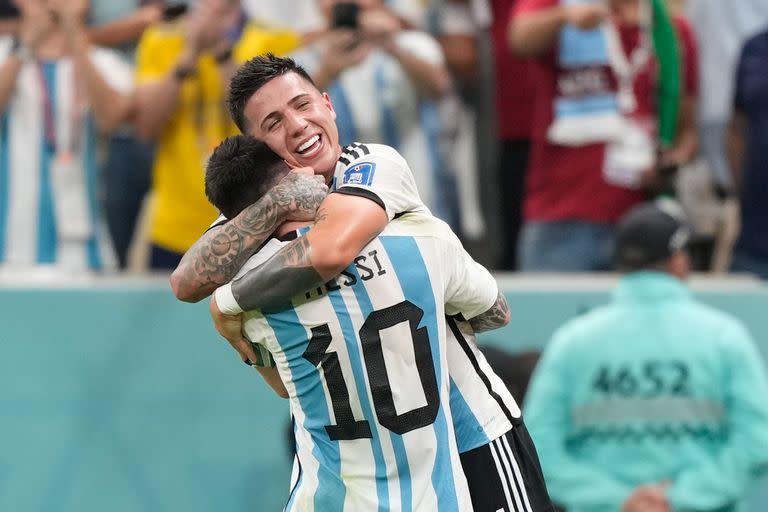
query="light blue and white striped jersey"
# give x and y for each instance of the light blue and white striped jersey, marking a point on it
(49, 214)
(482, 406)
(483, 409)
(365, 363)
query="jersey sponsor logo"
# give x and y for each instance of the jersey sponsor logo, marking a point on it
(359, 174)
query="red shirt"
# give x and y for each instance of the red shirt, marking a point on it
(566, 183)
(514, 90)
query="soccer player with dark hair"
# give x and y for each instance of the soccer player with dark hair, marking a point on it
(370, 184)
(394, 298)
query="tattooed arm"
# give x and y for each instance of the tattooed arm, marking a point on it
(344, 224)
(217, 256)
(497, 316)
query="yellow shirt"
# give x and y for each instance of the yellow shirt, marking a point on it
(181, 211)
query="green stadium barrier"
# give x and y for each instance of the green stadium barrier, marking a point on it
(117, 397)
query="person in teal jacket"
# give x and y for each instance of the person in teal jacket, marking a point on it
(654, 402)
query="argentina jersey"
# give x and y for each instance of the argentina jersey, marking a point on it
(482, 406)
(379, 173)
(365, 362)
(50, 211)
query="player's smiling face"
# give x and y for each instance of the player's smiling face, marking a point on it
(296, 121)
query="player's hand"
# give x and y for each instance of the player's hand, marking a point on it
(300, 193)
(586, 16)
(72, 13)
(208, 23)
(378, 25)
(647, 498)
(344, 48)
(36, 22)
(230, 327)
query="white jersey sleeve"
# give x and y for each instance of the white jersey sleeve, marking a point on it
(379, 173)
(471, 290)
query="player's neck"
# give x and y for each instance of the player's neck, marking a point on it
(328, 175)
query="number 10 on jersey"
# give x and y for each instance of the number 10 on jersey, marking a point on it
(347, 427)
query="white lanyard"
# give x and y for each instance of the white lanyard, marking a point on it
(627, 69)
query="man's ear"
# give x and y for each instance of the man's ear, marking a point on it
(329, 105)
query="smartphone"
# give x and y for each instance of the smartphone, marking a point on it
(344, 15)
(173, 11)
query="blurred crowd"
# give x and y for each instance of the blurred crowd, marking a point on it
(531, 126)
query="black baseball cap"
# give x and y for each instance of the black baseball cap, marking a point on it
(649, 234)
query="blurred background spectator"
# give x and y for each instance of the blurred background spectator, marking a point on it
(53, 86)
(608, 97)
(515, 90)
(385, 82)
(722, 28)
(653, 377)
(127, 163)
(748, 155)
(183, 69)
(455, 25)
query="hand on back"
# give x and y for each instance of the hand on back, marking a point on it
(647, 498)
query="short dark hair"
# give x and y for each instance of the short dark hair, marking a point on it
(240, 171)
(252, 76)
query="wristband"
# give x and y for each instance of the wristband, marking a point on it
(225, 300)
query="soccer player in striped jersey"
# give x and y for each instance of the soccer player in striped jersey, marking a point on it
(364, 358)
(274, 100)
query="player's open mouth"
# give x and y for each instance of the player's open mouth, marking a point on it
(310, 147)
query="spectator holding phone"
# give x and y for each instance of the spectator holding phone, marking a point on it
(383, 81)
(56, 90)
(127, 167)
(184, 66)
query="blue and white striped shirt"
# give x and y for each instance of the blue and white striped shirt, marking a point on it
(49, 217)
(365, 363)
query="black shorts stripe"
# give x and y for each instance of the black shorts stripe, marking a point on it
(472, 359)
(508, 486)
(514, 485)
(516, 476)
(505, 474)
(517, 467)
